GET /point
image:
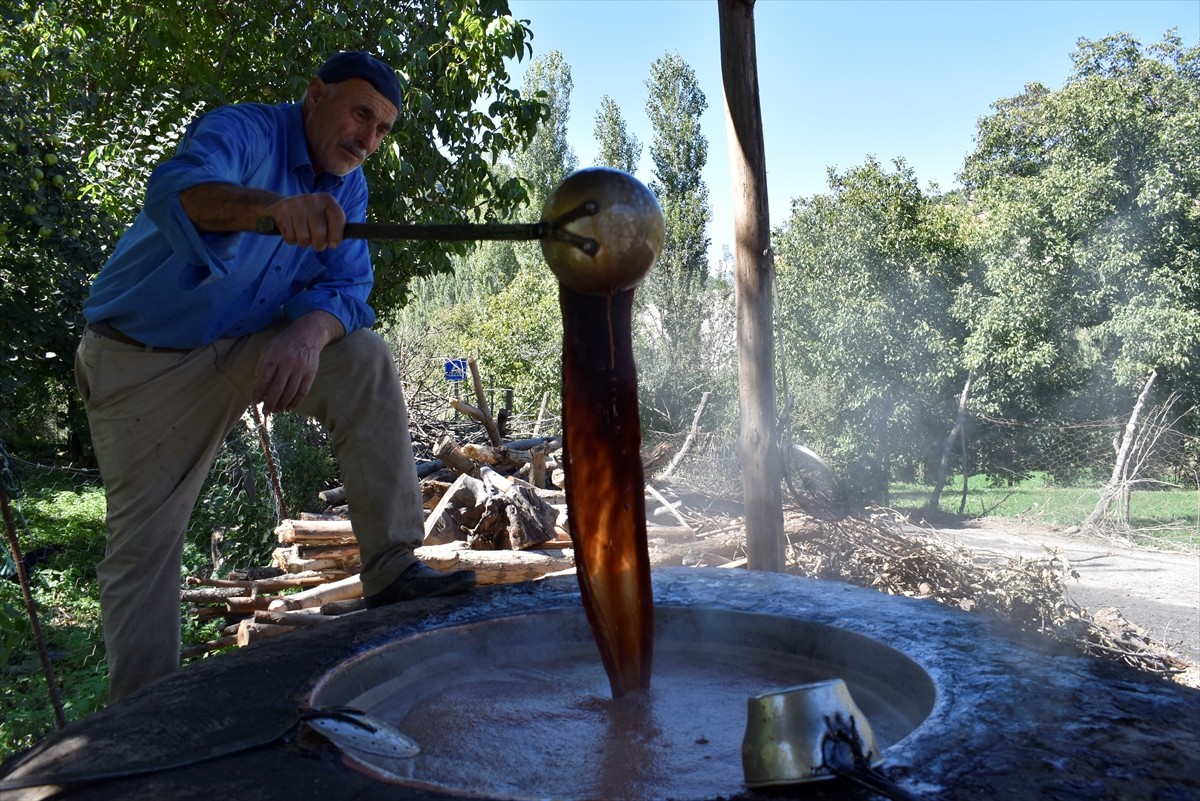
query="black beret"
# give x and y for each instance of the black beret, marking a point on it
(356, 64)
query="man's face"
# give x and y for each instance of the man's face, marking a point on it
(344, 123)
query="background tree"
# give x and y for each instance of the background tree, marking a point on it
(548, 158)
(501, 305)
(519, 339)
(1088, 239)
(673, 293)
(1090, 229)
(867, 276)
(618, 148)
(52, 238)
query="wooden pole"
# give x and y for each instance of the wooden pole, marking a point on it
(485, 416)
(14, 545)
(762, 471)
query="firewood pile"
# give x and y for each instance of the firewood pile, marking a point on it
(498, 510)
(883, 551)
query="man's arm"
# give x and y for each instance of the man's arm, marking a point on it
(288, 366)
(314, 220)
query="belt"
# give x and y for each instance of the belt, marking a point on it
(108, 332)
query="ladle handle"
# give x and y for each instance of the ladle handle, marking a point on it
(430, 231)
(876, 782)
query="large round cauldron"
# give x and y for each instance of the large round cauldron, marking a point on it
(1006, 715)
(520, 708)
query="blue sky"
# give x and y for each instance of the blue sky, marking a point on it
(839, 81)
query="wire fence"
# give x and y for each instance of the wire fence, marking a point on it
(1125, 482)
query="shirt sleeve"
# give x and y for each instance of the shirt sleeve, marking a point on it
(223, 146)
(344, 279)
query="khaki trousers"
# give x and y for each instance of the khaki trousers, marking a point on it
(159, 418)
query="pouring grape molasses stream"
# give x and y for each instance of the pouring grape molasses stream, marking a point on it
(601, 429)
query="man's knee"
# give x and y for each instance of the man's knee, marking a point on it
(359, 368)
(362, 346)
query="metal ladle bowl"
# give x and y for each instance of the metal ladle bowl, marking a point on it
(789, 733)
(812, 732)
(622, 218)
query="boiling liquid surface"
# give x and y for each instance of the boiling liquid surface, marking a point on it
(549, 728)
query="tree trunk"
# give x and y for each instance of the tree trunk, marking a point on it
(761, 468)
(884, 455)
(1117, 482)
(962, 500)
(687, 442)
(273, 478)
(537, 427)
(939, 484)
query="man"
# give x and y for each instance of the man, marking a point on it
(195, 317)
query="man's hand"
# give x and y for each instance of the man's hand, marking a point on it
(287, 368)
(314, 221)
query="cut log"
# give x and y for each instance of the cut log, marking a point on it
(657, 533)
(250, 632)
(203, 648)
(304, 618)
(496, 567)
(537, 466)
(497, 457)
(209, 595)
(293, 560)
(493, 512)
(255, 573)
(349, 587)
(715, 550)
(672, 508)
(240, 607)
(333, 497)
(514, 517)
(336, 608)
(451, 455)
(313, 551)
(261, 586)
(207, 614)
(315, 532)
(457, 512)
(432, 491)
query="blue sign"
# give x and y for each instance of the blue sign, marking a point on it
(456, 370)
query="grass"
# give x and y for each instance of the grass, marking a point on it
(63, 521)
(1156, 517)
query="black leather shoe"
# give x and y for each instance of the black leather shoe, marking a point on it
(420, 580)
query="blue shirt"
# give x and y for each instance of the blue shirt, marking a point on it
(169, 285)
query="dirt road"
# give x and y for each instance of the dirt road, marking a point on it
(1157, 590)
